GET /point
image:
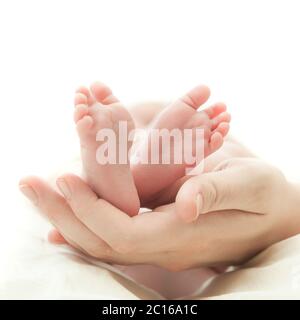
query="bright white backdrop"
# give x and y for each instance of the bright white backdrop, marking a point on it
(247, 51)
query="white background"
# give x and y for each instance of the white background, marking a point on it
(246, 51)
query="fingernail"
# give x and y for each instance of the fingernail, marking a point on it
(199, 204)
(64, 188)
(29, 193)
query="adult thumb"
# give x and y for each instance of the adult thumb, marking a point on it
(235, 187)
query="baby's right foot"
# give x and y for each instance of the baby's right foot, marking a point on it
(98, 109)
(182, 114)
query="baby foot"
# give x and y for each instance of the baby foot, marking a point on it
(182, 114)
(98, 109)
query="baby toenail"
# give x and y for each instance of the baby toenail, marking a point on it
(64, 188)
(29, 193)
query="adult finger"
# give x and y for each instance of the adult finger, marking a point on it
(140, 234)
(57, 210)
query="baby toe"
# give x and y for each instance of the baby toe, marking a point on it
(102, 93)
(222, 128)
(222, 117)
(81, 110)
(83, 126)
(85, 91)
(80, 98)
(196, 97)
(216, 109)
(199, 120)
(216, 141)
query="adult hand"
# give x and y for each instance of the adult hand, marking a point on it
(222, 237)
(246, 184)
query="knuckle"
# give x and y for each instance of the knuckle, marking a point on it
(171, 263)
(211, 195)
(173, 266)
(223, 165)
(269, 174)
(98, 251)
(267, 177)
(85, 209)
(123, 248)
(79, 209)
(125, 244)
(93, 252)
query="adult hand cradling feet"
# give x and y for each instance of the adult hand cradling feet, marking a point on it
(248, 206)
